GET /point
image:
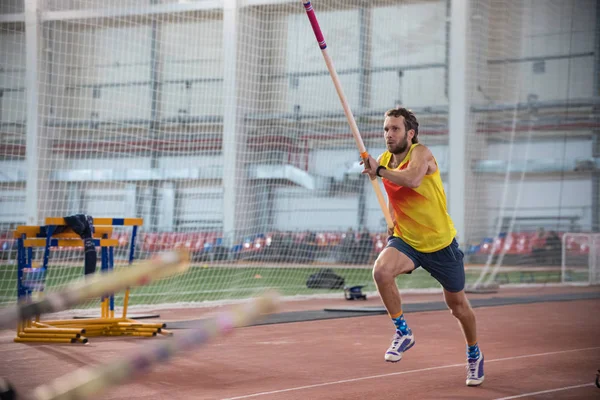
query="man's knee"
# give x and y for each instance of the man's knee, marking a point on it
(381, 274)
(460, 308)
(386, 270)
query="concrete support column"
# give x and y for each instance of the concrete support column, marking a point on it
(231, 122)
(364, 95)
(495, 33)
(38, 156)
(458, 113)
(596, 132)
(156, 68)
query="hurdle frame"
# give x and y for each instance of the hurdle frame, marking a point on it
(73, 330)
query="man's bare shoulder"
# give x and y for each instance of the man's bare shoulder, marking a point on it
(381, 156)
(422, 151)
(424, 154)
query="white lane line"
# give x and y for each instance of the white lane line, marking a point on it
(363, 378)
(518, 396)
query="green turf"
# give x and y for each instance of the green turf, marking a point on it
(227, 282)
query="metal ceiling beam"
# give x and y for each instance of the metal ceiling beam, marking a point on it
(11, 18)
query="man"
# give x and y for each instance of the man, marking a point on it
(423, 235)
(539, 247)
(554, 248)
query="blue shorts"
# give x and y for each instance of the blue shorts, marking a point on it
(445, 265)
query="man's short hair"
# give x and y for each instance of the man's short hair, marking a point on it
(410, 121)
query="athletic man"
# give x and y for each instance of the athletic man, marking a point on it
(423, 235)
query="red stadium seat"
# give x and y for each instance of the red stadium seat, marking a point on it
(179, 240)
(162, 241)
(379, 242)
(211, 237)
(510, 244)
(198, 244)
(259, 243)
(268, 239)
(485, 248)
(321, 239)
(123, 239)
(497, 246)
(189, 240)
(523, 245)
(334, 238)
(299, 237)
(149, 241)
(493, 247)
(571, 244)
(584, 248)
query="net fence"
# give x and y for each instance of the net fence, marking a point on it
(219, 125)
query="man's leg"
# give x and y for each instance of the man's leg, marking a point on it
(391, 263)
(461, 309)
(447, 267)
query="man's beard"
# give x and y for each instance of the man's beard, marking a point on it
(399, 147)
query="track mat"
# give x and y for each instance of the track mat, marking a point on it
(348, 312)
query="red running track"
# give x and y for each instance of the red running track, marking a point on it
(552, 349)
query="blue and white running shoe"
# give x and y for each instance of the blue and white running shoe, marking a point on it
(475, 370)
(400, 343)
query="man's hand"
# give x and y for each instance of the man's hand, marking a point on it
(370, 167)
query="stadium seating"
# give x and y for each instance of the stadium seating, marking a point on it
(516, 244)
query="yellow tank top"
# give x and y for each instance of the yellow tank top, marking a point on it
(422, 219)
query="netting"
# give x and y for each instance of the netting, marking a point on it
(13, 110)
(220, 127)
(535, 107)
(580, 258)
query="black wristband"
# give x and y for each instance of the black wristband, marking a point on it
(379, 169)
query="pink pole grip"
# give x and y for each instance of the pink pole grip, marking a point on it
(310, 12)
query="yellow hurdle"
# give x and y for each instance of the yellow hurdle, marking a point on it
(41, 242)
(142, 334)
(34, 231)
(99, 221)
(71, 331)
(44, 340)
(65, 331)
(49, 335)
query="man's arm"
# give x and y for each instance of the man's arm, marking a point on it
(415, 172)
(390, 231)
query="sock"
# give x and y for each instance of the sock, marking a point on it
(473, 351)
(400, 323)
